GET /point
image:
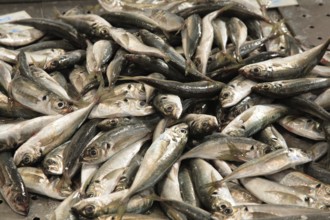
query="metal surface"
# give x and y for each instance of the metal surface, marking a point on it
(309, 21)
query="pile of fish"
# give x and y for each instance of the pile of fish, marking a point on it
(201, 109)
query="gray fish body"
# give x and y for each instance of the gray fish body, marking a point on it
(272, 137)
(191, 34)
(285, 68)
(216, 199)
(237, 32)
(274, 193)
(33, 96)
(248, 123)
(270, 163)
(12, 187)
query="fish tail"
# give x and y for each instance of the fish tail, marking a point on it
(122, 207)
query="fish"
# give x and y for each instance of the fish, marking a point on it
(201, 124)
(159, 157)
(291, 67)
(50, 136)
(37, 98)
(66, 60)
(13, 189)
(231, 148)
(169, 105)
(37, 182)
(270, 163)
(237, 32)
(271, 136)
(236, 90)
(53, 161)
(20, 38)
(190, 34)
(247, 123)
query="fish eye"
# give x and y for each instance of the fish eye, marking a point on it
(60, 104)
(252, 147)
(93, 152)
(19, 199)
(223, 206)
(125, 100)
(113, 121)
(265, 86)
(318, 185)
(104, 31)
(205, 124)
(268, 150)
(225, 95)
(307, 199)
(129, 86)
(256, 70)
(45, 98)
(54, 63)
(169, 108)
(142, 103)
(227, 211)
(89, 209)
(184, 131)
(26, 159)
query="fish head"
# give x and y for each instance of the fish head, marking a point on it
(227, 96)
(19, 201)
(203, 125)
(298, 156)
(27, 156)
(257, 150)
(323, 193)
(180, 131)
(109, 123)
(134, 91)
(222, 206)
(256, 71)
(87, 207)
(53, 166)
(137, 107)
(263, 87)
(59, 105)
(94, 152)
(52, 64)
(169, 105)
(101, 31)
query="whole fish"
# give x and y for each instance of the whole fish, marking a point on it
(36, 97)
(13, 189)
(216, 199)
(274, 193)
(228, 148)
(204, 47)
(184, 90)
(50, 137)
(290, 67)
(290, 87)
(160, 156)
(108, 143)
(270, 163)
(66, 60)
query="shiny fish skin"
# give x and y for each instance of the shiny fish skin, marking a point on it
(13, 189)
(169, 105)
(190, 35)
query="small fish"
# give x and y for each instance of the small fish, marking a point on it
(13, 189)
(53, 161)
(237, 32)
(169, 105)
